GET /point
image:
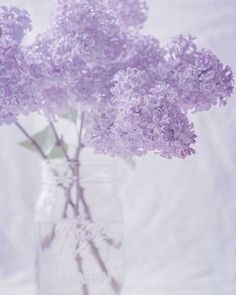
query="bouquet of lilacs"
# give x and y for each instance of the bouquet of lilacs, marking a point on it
(126, 94)
(94, 64)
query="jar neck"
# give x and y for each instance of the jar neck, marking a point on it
(84, 189)
(90, 169)
(58, 171)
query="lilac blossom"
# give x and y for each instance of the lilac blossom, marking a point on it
(90, 29)
(199, 77)
(145, 52)
(48, 76)
(16, 93)
(140, 119)
(14, 22)
(130, 13)
(136, 93)
(79, 51)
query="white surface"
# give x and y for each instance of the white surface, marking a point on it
(180, 215)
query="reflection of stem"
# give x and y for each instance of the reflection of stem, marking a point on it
(95, 251)
(81, 270)
(47, 241)
(106, 238)
(68, 202)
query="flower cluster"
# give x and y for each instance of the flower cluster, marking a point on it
(130, 13)
(79, 53)
(136, 93)
(90, 29)
(48, 76)
(144, 53)
(198, 76)
(141, 119)
(153, 91)
(14, 22)
(16, 92)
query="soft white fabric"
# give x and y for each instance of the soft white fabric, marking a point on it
(180, 215)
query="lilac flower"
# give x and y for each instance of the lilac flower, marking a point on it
(14, 22)
(143, 52)
(80, 51)
(16, 93)
(130, 13)
(90, 29)
(54, 64)
(140, 119)
(135, 92)
(47, 75)
(21, 73)
(200, 79)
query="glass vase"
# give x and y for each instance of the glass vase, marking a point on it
(80, 229)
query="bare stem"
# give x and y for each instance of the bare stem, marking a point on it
(79, 147)
(59, 141)
(44, 156)
(77, 163)
(33, 141)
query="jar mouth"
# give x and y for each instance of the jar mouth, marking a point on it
(58, 162)
(98, 169)
(95, 161)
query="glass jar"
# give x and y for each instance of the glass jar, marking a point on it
(80, 229)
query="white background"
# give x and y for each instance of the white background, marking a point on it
(180, 215)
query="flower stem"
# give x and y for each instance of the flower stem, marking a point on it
(77, 161)
(59, 141)
(44, 156)
(80, 196)
(33, 141)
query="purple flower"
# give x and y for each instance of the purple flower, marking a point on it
(16, 93)
(198, 76)
(130, 13)
(144, 53)
(140, 119)
(14, 22)
(135, 92)
(90, 29)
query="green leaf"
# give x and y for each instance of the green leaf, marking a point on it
(130, 162)
(57, 152)
(44, 138)
(72, 115)
(28, 145)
